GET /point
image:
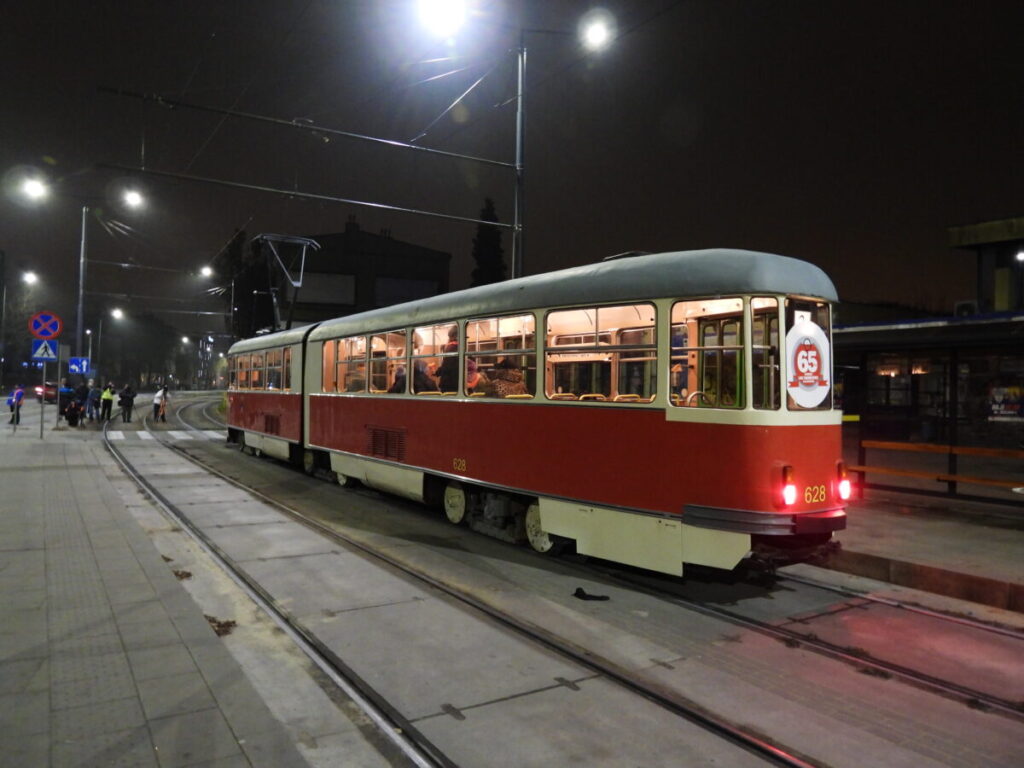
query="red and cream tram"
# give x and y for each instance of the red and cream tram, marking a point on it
(656, 410)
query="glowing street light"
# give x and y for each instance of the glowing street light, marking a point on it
(133, 198)
(596, 30)
(184, 339)
(206, 271)
(29, 278)
(116, 313)
(34, 189)
(443, 17)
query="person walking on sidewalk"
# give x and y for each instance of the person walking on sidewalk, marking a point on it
(92, 405)
(160, 400)
(126, 401)
(106, 402)
(14, 401)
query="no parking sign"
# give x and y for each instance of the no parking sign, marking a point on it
(45, 325)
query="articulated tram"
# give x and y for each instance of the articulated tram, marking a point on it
(655, 410)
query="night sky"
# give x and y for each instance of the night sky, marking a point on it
(847, 134)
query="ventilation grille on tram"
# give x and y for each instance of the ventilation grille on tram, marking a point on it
(386, 443)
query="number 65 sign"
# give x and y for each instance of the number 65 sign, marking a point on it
(809, 364)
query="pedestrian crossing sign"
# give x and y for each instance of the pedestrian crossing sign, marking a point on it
(44, 349)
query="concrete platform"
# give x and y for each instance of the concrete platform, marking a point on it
(104, 658)
(964, 550)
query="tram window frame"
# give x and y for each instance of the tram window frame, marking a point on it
(714, 374)
(351, 368)
(257, 371)
(328, 363)
(820, 313)
(587, 357)
(765, 358)
(287, 368)
(232, 372)
(433, 356)
(386, 368)
(492, 340)
(274, 358)
(243, 371)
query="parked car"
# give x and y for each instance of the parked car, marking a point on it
(49, 392)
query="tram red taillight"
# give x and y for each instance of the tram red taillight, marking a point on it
(788, 486)
(845, 489)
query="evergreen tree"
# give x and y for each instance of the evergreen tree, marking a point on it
(487, 251)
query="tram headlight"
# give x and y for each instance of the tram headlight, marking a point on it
(788, 486)
(844, 487)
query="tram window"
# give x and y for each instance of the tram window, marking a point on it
(288, 369)
(503, 349)
(808, 355)
(274, 375)
(602, 354)
(707, 353)
(329, 357)
(351, 376)
(765, 352)
(388, 362)
(257, 376)
(435, 359)
(243, 371)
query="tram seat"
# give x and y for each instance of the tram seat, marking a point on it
(628, 399)
(429, 392)
(519, 397)
(562, 396)
(594, 397)
(378, 391)
(449, 394)
(477, 394)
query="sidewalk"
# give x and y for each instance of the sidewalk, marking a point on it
(104, 658)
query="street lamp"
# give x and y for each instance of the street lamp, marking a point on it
(596, 30)
(29, 278)
(88, 332)
(115, 313)
(35, 189)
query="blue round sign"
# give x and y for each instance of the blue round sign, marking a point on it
(45, 325)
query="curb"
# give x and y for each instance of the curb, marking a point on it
(1006, 595)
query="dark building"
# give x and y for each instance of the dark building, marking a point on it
(957, 380)
(352, 271)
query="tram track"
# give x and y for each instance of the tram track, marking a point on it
(857, 657)
(757, 744)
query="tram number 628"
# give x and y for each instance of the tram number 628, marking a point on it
(459, 465)
(814, 494)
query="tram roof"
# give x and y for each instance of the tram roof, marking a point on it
(711, 272)
(271, 340)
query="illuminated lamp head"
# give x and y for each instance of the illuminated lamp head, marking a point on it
(788, 486)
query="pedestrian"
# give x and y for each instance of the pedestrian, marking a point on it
(93, 404)
(160, 400)
(127, 402)
(14, 401)
(106, 402)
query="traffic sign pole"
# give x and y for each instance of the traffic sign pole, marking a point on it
(42, 403)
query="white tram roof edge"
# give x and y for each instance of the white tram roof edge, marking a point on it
(272, 340)
(709, 272)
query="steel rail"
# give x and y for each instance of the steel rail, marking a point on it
(937, 685)
(668, 700)
(397, 729)
(1016, 634)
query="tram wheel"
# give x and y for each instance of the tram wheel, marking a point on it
(540, 540)
(455, 503)
(309, 463)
